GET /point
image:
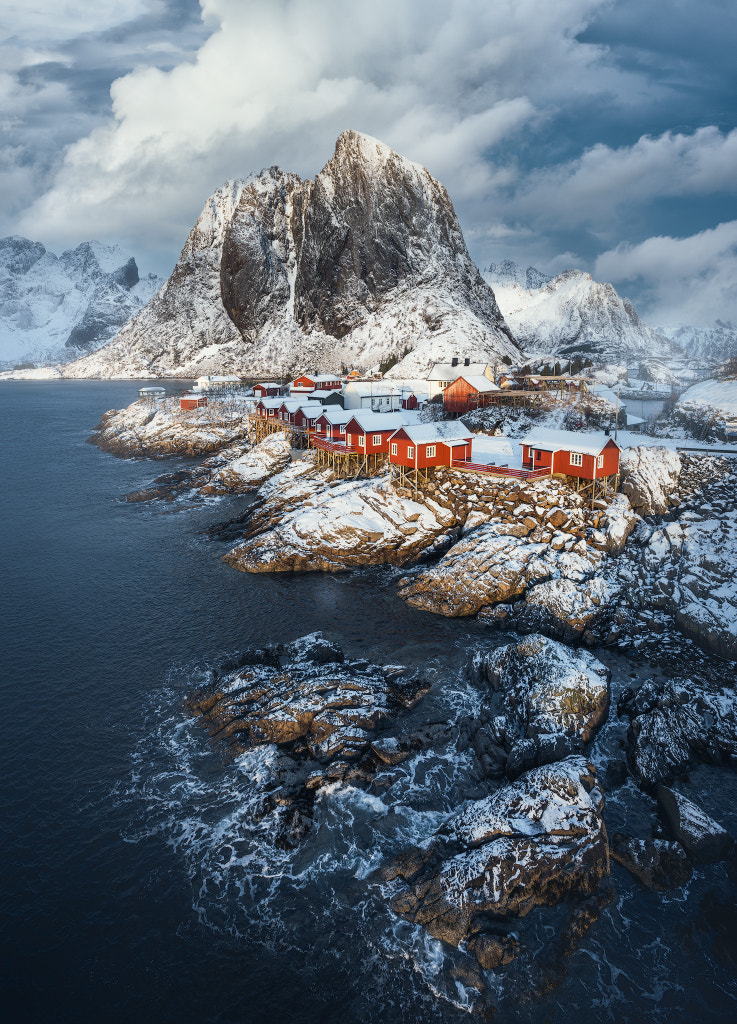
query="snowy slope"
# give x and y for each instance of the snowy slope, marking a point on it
(281, 274)
(572, 314)
(710, 344)
(711, 397)
(53, 308)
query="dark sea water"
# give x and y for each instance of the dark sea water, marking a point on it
(134, 885)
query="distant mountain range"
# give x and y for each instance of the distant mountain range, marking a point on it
(54, 308)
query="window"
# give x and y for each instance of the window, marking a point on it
(600, 462)
(342, 428)
(576, 459)
(430, 451)
(361, 441)
(410, 452)
(394, 449)
(376, 440)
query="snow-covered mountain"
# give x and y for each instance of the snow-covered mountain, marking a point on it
(572, 314)
(710, 344)
(365, 262)
(52, 308)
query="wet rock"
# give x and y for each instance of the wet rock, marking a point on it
(320, 711)
(657, 863)
(567, 609)
(676, 722)
(532, 843)
(702, 837)
(494, 951)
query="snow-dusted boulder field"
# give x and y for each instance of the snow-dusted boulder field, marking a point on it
(161, 430)
(649, 478)
(710, 399)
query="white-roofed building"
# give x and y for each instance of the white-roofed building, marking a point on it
(443, 374)
(588, 456)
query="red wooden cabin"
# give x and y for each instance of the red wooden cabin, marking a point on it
(268, 407)
(468, 392)
(306, 415)
(331, 423)
(307, 382)
(566, 452)
(192, 401)
(430, 444)
(369, 432)
(269, 389)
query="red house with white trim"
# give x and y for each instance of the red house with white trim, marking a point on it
(331, 423)
(430, 444)
(269, 389)
(369, 432)
(567, 452)
(306, 415)
(268, 407)
(308, 382)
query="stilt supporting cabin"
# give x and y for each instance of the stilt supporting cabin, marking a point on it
(345, 460)
(259, 428)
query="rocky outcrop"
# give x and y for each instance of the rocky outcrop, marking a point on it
(162, 430)
(318, 709)
(658, 863)
(250, 470)
(650, 478)
(333, 525)
(276, 269)
(536, 533)
(678, 722)
(703, 838)
(532, 843)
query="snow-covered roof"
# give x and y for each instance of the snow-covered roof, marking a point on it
(375, 388)
(446, 371)
(443, 432)
(271, 403)
(317, 378)
(335, 415)
(310, 408)
(369, 421)
(566, 441)
(267, 384)
(478, 381)
(152, 391)
(290, 404)
(319, 393)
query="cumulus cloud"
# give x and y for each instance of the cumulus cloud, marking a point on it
(447, 84)
(680, 280)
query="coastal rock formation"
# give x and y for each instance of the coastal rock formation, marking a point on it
(318, 709)
(532, 843)
(253, 468)
(336, 525)
(678, 722)
(703, 838)
(161, 430)
(649, 478)
(658, 863)
(537, 533)
(276, 269)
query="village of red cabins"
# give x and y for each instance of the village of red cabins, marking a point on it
(418, 447)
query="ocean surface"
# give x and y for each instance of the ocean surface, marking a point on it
(134, 884)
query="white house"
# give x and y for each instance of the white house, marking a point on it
(376, 395)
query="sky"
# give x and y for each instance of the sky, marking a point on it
(596, 134)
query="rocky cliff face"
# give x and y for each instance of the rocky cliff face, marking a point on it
(52, 308)
(711, 344)
(572, 314)
(276, 269)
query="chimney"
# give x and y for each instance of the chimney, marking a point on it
(454, 361)
(467, 361)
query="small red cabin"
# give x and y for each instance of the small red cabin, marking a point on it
(268, 407)
(192, 401)
(306, 415)
(566, 452)
(468, 392)
(331, 423)
(308, 382)
(431, 444)
(269, 389)
(369, 432)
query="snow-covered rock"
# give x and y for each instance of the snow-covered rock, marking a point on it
(250, 470)
(649, 477)
(706, 344)
(276, 269)
(311, 712)
(678, 722)
(52, 308)
(161, 430)
(658, 863)
(710, 400)
(572, 315)
(532, 843)
(702, 837)
(336, 527)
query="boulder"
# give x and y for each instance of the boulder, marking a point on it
(702, 837)
(649, 477)
(250, 470)
(657, 863)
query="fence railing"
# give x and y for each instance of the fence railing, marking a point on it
(518, 474)
(332, 446)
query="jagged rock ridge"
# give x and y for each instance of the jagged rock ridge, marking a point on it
(276, 269)
(54, 308)
(572, 314)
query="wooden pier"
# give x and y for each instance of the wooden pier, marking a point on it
(345, 460)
